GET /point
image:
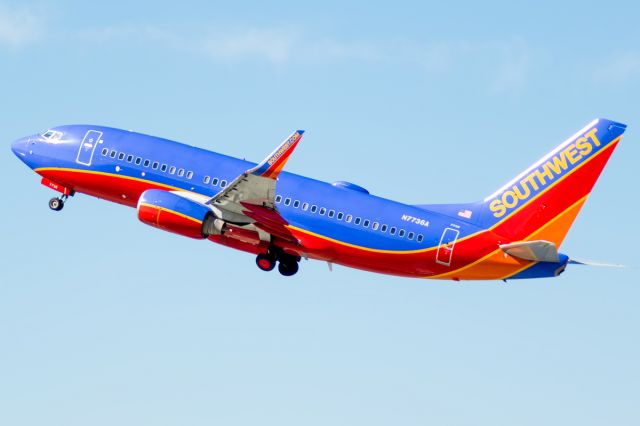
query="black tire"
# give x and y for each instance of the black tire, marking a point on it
(265, 262)
(56, 204)
(288, 269)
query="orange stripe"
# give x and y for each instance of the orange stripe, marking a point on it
(497, 264)
(399, 252)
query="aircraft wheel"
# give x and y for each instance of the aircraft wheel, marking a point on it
(288, 269)
(265, 262)
(56, 204)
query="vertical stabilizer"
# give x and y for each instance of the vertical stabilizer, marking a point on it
(542, 202)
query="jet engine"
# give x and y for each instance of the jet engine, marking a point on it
(173, 213)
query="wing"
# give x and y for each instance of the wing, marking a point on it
(252, 194)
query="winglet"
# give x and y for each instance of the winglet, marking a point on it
(273, 164)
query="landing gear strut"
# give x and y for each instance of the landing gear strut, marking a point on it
(287, 263)
(57, 203)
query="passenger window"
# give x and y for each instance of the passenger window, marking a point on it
(410, 235)
(223, 183)
(147, 162)
(366, 223)
(172, 170)
(278, 198)
(163, 168)
(322, 211)
(121, 156)
(357, 221)
(214, 182)
(375, 226)
(331, 213)
(138, 160)
(392, 231)
(105, 151)
(129, 158)
(189, 174)
(113, 154)
(401, 233)
(206, 180)
(287, 201)
(383, 228)
(419, 239)
(181, 172)
(296, 204)
(349, 218)
(305, 206)
(314, 208)
(155, 165)
(340, 216)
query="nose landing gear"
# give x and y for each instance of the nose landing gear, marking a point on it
(287, 263)
(57, 203)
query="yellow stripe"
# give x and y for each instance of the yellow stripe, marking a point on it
(611, 144)
(546, 225)
(498, 250)
(304, 231)
(464, 267)
(91, 172)
(491, 228)
(398, 252)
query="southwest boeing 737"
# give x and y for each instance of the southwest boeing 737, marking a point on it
(282, 217)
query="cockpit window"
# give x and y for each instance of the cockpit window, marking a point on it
(52, 135)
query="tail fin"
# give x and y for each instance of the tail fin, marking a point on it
(542, 202)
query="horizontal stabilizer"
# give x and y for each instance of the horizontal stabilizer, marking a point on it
(538, 251)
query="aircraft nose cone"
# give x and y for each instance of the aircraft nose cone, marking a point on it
(19, 147)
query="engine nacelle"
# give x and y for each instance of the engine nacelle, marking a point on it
(173, 213)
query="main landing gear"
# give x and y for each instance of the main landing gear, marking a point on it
(57, 203)
(287, 263)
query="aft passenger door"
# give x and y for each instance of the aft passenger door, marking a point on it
(447, 243)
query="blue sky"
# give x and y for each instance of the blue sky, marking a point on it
(104, 320)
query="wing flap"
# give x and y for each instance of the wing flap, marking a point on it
(269, 221)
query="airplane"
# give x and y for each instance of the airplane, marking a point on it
(281, 217)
